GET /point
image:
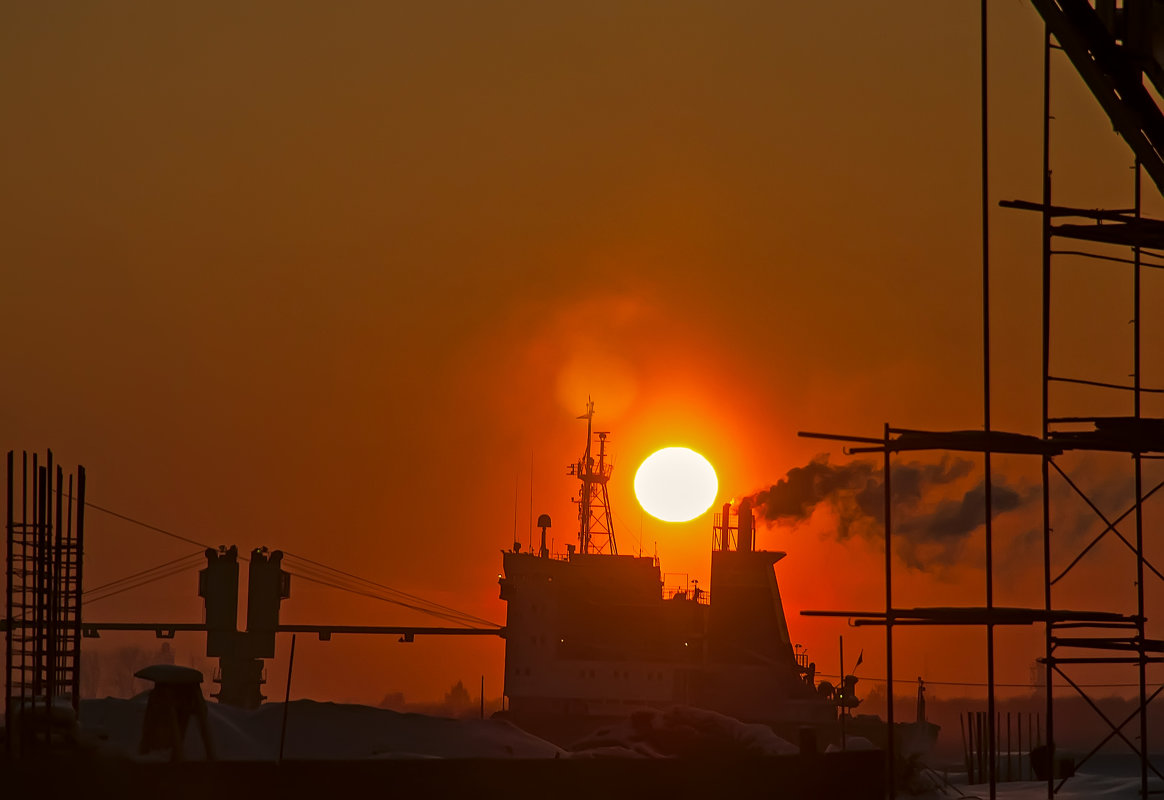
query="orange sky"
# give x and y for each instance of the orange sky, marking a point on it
(329, 279)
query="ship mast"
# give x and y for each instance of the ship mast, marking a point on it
(595, 523)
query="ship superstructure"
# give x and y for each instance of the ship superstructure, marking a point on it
(593, 635)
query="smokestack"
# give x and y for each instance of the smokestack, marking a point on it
(747, 525)
(726, 530)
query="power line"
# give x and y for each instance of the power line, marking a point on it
(413, 597)
(448, 617)
(324, 582)
(326, 577)
(427, 607)
(169, 574)
(96, 589)
(146, 525)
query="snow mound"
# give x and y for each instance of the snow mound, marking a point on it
(682, 732)
(318, 731)
(852, 743)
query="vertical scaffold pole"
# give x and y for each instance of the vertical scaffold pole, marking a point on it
(1137, 462)
(8, 614)
(1046, 459)
(990, 710)
(890, 756)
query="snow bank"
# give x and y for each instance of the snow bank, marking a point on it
(319, 731)
(681, 732)
(1105, 782)
(852, 743)
(1083, 785)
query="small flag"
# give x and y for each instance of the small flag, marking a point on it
(860, 657)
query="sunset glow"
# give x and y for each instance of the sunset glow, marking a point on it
(339, 281)
(676, 484)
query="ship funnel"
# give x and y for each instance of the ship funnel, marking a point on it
(726, 516)
(747, 524)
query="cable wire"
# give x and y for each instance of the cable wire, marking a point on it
(415, 598)
(146, 525)
(139, 584)
(447, 617)
(140, 573)
(419, 603)
(326, 579)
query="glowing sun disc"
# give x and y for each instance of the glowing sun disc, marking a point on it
(676, 484)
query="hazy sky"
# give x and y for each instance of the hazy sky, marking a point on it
(335, 277)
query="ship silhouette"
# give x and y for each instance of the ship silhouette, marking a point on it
(592, 636)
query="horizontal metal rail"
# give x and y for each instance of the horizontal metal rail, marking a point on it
(166, 630)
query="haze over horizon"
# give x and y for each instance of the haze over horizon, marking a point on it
(339, 280)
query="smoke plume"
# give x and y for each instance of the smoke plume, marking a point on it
(926, 531)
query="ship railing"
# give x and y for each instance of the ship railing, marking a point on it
(602, 471)
(721, 528)
(698, 595)
(553, 555)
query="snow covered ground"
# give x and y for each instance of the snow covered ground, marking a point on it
(337, 731)
(1084, 785)
(319, 731)
(1113, 777)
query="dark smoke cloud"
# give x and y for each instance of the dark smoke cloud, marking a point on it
(937, 537)
(926, 534)
(794, 497)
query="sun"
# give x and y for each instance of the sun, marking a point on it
(676, 484)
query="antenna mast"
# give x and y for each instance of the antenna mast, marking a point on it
(595, 523)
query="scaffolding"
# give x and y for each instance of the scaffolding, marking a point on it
(43, 603)
(1113, 51)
